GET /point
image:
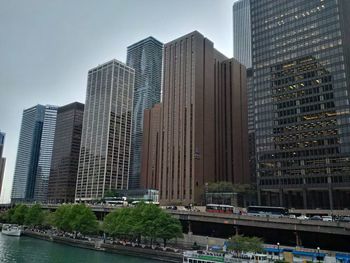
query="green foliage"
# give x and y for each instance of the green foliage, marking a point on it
(77, 218)
(227, 187)
(83, 219)
(35, 216)
(5, 216)
(62, 218)
(144, 220)
(245, 244)
(110, 193)
(19, 214)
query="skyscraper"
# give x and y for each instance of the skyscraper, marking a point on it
(150, 148)
(301, 67)
(34, 153)
(46, 147)
(145, 57)
(2, 159)
(106, 137)
(242, 33)
(65, 156)
(201, 111)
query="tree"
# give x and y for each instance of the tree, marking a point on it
(63, 217)
(241, 243)
(119, 223)
(167, 227)
(19, 214)
(34, 216)
(144, 220)
(83, 219)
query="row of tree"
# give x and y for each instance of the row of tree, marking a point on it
(24, 215)
(143, 221)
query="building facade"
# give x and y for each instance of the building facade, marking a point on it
(2, 159)
(231, 124)
(106, 137)
(150, 148)
(242, 33)
(194, 118)
(34, 153)
(301, 80)
(65, 156)
(145, 57)
(251, 126)
(46, 147)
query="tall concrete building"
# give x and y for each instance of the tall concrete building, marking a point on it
(150, 148)
(34, 153)
(145, 57)
(65, 156)
(301, 67)
(242, 33)
(106, 137)
(195, 115)
(231, 131)
(2, 159)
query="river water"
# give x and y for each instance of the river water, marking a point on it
(30, 250)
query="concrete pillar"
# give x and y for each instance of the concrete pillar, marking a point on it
(281, 197)
(330, 193)
(289, 196)
(304, 198)
(268, 198)
(236, 230)
(297, 239)
(189, 227)
(259, 196)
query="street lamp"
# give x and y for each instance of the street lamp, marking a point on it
(278, 248)
(318, 254)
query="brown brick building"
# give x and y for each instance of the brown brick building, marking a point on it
(150, 148)
(202, 135)
(65, 155)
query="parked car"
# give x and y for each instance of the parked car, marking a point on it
(292, 216)
(327, 218)
(345, 219)
(172, 207)
(316, 218)
(302, 217)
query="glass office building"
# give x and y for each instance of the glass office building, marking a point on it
(300, 53)
(145, 57)
(106, 136)
(34, 153)
(2, 160)
(241, 33)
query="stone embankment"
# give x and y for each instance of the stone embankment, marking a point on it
(123, 248)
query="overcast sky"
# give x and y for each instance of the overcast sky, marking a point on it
(47, 47)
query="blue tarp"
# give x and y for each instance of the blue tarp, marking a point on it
(308, 254)
(273, 250)
(343, 257)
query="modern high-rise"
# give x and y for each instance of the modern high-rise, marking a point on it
(106, 137)
(145, 57)
(2, 159)
(46, 147)
(34, 153)
(242, 33)
(65, 156)
(301, 67)
(150, 148)
(202, 129)
(251, 126)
